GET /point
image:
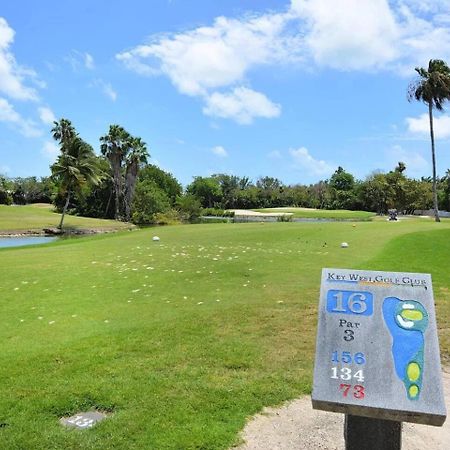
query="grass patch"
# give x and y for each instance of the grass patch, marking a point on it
(183, 339)
(39, 216)
(309, 213)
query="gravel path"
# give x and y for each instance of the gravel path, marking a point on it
(297, 426)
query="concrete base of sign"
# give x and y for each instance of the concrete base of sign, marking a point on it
(378, 433)
(83, 419)
(380, 413)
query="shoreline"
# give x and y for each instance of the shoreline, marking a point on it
(55, 232)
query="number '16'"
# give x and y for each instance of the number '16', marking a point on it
(350, 302)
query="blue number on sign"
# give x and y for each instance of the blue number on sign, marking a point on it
(350, 302)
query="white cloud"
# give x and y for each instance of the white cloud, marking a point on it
(304, 161)
(200, 61)
(106, 88)
(46, 115)
(218, 150)
(12, 76)
(241, 104)
(360, 35)
(416, 164)
(79, 59)
(421, 125)
(374, 34)
(211, 57)
(50, 150)
(9, 115)
(89, 61)
(350, 34)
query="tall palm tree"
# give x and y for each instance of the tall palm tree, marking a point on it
(433, 88)
(115, 146)
(63, 132)
(74, 168)
(137, 156)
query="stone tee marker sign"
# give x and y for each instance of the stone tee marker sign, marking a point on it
(83, 419)
(377, 352)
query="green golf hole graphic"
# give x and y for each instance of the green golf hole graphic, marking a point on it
(407, 321)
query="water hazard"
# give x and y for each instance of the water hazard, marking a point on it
(21, 241)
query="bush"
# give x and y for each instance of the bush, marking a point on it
(189, 207)
(171, 217)
(285, 218)
(5, 198)
(149, 200)
(217, 212)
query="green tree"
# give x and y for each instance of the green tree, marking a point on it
(229, 186)
(148, 201)
(319, 194)
(114, 146)
(164, 180)
(74, 167)
(95, 200)
(5, 191)
(63, 131)
(207, 190)
(341, 187)
(270, 191)
(418, 195)
(433, 88)
(136, 157)
(189, 207)
(445, 191)
(376, 193)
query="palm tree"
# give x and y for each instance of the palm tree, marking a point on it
(137, 156)
(433, 88)
(74, 168)
(115, 146)
(63, 132)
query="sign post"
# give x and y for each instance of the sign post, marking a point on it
(377, 354)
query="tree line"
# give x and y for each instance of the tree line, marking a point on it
(121, 184)
(150, 195)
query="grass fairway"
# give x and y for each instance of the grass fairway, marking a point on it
(39, 216)
(183, 339)
(309, 213)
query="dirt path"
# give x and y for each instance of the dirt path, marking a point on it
(297, 426)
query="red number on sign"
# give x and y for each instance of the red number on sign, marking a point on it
(345, 388)
(358, 391)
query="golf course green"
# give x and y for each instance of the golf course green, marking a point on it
(180, 340)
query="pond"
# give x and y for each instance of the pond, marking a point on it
(25, 240)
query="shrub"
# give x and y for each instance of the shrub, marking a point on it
(189, 207)
(5, 198)
(217, 212)
(149, 200)
(170, 217)
(285, 218)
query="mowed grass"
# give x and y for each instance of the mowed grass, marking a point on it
(39, 216)
(181, 340)
(310, 213)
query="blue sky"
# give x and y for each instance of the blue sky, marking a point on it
(290, 89)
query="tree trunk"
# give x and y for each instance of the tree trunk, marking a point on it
(433, 159)
(117, 186)
(64, 210)
(130, 186)
(109, 202)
